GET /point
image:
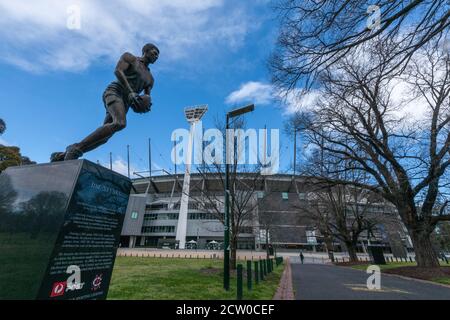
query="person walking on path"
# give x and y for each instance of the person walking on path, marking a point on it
(302, 257)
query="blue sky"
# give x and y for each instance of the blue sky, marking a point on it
(52, 77)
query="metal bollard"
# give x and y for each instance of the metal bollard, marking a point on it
(261, 270)
(256, 272)
(249, 275)
(265, 267)
(239, 282)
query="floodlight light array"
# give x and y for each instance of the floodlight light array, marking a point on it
(194, 114)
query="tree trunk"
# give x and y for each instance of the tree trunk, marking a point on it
(329, 247)
(351, 248)
(425, 255)
(233, 254)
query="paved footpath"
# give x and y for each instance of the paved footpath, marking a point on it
(328, 282)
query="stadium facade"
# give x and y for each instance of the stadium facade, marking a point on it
(276, 217)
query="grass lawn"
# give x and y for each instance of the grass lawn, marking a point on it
(443, 280)
(386, 266)
(402, 269)
(137, 278)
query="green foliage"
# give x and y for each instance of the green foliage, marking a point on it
(9, 157)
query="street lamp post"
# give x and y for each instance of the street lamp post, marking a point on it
(226, 247)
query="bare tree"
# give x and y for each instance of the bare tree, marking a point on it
(345, 213)
(243, 203)
(244, 181)
(358, 119)
(314, 35)
(340, 211)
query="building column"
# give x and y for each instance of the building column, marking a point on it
(132, 242)
(364, 247)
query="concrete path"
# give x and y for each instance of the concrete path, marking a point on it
(328, 282)
(285, 290)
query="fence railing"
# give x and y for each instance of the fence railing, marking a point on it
(184, 255)
(389, 259)
(261, 271)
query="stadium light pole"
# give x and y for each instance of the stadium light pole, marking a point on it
(193, 116)
(226, 247)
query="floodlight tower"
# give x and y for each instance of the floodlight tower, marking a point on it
(193, 116)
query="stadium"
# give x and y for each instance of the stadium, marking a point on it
(276, 216)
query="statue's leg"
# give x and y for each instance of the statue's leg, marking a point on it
(108, 120)
(116, 121)
(59, 156)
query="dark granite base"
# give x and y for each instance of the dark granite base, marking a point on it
(60, 227)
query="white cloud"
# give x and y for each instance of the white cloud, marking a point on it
(34, 34)
(296, 101)
(120, 166)
(412, 108)
(252, 92)
(264, 94)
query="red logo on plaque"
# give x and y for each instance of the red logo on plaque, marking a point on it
(97, 282)
(58, 289)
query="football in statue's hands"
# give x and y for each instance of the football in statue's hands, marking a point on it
(143, 104)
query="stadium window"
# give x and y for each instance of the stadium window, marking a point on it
(134, 215)
(158, 229)
(151, 217)
(302, 196)
(246, 230)
(159, 206)
(285, 195)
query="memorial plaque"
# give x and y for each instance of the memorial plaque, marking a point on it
(60, 227)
